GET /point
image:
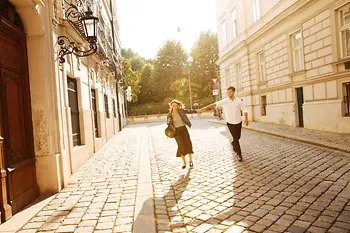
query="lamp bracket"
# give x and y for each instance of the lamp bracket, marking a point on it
(69, 47)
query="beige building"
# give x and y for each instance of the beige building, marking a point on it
(289, 59)
(54, 114)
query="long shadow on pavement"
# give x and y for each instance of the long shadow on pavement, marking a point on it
(144, 221)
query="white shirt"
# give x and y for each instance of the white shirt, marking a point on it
(232, 109)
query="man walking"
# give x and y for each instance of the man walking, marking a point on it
(232, 107)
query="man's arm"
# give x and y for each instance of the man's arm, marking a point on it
(210, 106)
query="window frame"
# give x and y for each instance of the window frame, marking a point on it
(342, 28)
(261, 67)
(234, 23)
(94, 103)
(224, 34)
(74, 110)
(295, 48)
(256, 10)
(106, 104)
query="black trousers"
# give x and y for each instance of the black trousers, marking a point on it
(235, 131)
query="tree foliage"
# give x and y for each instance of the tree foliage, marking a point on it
(146, 84)
(166, 77)
(169, 67)
(204, 54)
(132, 78)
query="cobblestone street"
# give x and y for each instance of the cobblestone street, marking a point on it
(281, 186)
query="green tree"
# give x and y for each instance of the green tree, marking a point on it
(169, 67)
(127, 53)
(146, 85)
(203, 70)
(137, 63)
(132, 78)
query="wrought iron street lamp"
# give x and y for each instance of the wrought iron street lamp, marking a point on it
(86, 24)
(90, 26)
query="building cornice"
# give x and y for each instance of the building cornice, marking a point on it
(319, 79)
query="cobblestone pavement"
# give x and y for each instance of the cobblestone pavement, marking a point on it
(101, 195)
(317, 137)
(281, 186)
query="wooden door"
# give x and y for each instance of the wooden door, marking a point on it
(300, 100)
(16, 123)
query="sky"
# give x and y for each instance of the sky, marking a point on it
(145, 25)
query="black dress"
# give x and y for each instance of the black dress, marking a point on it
(182, 137)
(183, 140)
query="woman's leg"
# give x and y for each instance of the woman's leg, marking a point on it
(183, 159)
(191, 161)
(190, 155)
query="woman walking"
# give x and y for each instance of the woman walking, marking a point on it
(178, 119)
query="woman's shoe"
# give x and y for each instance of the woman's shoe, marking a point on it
(191, 164)
(184, 166)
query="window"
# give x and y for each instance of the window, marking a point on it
(345, 31)
(74, 110)
(263, 105)
(238, 76)
(261, 67)
(114, 109)
(346, 102)
(224, 34)
(298, 61)
(94, 109)
(106, 106)
(256, 10)
(234, 24)
(227, 77)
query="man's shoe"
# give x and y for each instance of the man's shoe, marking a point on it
(240, 159)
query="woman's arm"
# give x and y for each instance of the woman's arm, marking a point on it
(168, 119)
(189, 111)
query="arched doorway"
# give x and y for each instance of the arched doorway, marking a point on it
(18, 181)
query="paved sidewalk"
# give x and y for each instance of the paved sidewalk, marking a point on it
(326, 139)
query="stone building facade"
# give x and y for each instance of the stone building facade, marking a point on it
(54, 116)
(289, 59)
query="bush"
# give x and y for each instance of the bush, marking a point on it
(163, 107)
(148, 109)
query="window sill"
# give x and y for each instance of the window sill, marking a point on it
(262, 83)
(343, 60)
(295, 73)
(77, 147)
